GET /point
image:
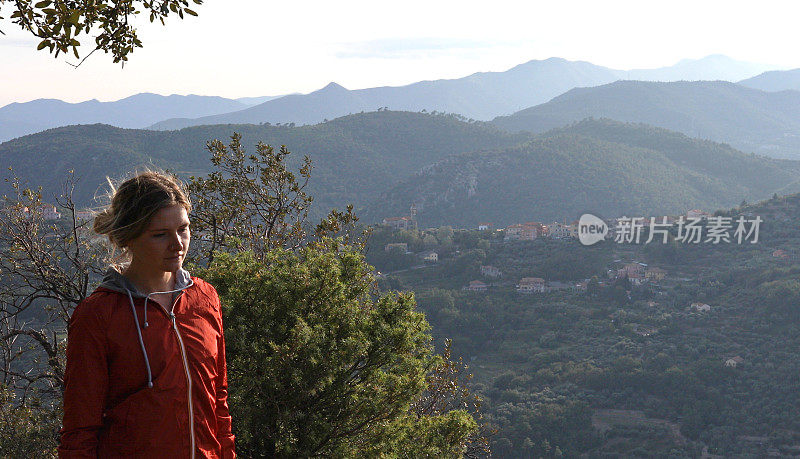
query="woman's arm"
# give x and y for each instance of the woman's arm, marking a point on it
(86, 383)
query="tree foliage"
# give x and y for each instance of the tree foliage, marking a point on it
(447, 391)
(250, 202)
(318, 366)
(254, 202)
(59, 23)
(339, 369)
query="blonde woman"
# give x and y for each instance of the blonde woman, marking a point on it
(146, 373)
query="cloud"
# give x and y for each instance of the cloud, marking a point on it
(404, 48)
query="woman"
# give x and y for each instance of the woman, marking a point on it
(145, 374)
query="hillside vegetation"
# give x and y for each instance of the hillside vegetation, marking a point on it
(621, 370)
(354, 157)
(598, 166)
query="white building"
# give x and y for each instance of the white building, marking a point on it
(531, 285)
(560, 230)
(734, 362)
(430, 255)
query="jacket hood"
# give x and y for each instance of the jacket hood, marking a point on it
(115, 281)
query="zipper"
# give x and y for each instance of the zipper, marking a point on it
(188, 375)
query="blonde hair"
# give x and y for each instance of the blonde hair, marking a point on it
(133, 204)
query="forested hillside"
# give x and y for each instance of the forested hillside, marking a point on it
(355, 157)
(597, 166)
(455, 172)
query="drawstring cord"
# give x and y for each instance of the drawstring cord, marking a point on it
(141, 341)
(139, 328)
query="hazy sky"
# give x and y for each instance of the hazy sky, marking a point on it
(238, 48)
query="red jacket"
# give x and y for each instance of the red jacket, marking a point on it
(128, 379)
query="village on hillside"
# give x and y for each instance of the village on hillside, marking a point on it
(635, 272)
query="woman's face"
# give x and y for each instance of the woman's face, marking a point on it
(164, 243)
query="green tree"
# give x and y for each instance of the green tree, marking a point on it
(781, 296)
(320, 366)
(254, 202)
(59, 23)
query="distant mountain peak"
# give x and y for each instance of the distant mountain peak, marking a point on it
(549, 60)
(333, 86)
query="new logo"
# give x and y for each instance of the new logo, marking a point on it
(591, 229)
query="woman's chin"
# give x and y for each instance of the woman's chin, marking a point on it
(172, 265)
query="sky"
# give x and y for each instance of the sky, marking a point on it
(248, 48)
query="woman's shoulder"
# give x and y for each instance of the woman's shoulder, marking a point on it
(202, 285)
(99, 305)
(101, 297)
(205, 290)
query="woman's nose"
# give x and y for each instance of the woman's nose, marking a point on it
(176, 242)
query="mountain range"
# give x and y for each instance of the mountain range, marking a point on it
(138, 111)
(481, 96)
(751, 120)
(709, 68)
